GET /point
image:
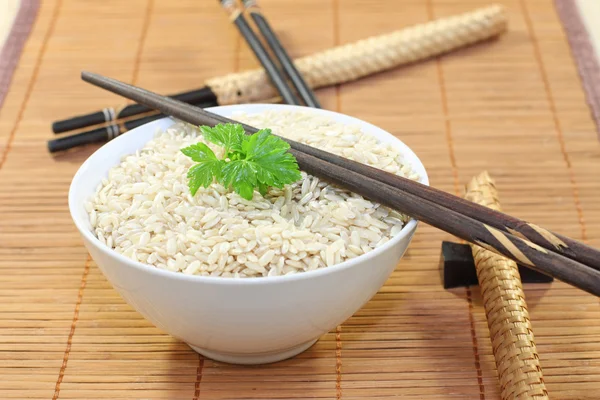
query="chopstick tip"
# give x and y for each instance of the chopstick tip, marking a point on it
(86, 75)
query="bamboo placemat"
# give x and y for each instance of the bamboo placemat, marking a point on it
(514, 106)
(16, 20)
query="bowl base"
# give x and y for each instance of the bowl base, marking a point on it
(253, 359)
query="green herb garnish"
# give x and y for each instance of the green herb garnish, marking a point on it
(258, 161)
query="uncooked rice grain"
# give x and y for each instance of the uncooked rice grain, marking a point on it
(144, 209)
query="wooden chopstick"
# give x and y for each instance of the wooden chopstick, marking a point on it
(98, 135)
(305, 92)
(106, 133)
(236, 15)
(110, 114)
(425, 208)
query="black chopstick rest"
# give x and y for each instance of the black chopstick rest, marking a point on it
(459, 268)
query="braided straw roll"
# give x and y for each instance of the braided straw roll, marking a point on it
(512, 338)
(375, 54)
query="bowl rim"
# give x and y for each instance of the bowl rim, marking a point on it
(408, 229)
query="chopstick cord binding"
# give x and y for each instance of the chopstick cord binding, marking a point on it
(251, 5)
(232, 8)
(508, 245)
(113, 131)
(109, 114)
(549, 236)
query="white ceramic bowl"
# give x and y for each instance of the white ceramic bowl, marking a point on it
(242, 321)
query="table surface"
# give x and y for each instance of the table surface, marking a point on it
(513, 106)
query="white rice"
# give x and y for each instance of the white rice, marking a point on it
(144, 209)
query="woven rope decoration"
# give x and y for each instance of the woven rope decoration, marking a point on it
(375, 54)
(512, 338)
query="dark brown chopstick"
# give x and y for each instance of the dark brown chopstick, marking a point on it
(305, 92)
(261, 54)
(424, 208)
(109, 114)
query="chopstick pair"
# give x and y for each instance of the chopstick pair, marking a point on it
(198, 96)
(527, 244)
(109, 132)
(287, 94)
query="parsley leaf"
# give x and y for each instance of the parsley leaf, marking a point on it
(199, 152)
(209, 166)
(262, 188)
(241, 175)
(275, 165)
(228, 136)
(251, 162)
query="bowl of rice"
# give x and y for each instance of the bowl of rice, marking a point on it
(242, 281)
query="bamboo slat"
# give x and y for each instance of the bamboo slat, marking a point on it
(512, 106)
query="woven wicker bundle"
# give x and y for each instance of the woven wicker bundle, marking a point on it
(512, 338)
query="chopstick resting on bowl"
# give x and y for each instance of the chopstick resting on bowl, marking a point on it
(558, 256)
(305, 92)
(237, 17)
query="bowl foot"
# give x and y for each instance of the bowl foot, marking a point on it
(252, 359)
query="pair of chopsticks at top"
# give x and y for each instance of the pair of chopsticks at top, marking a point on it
(287, 94)
(201, 97)
(530, 245)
